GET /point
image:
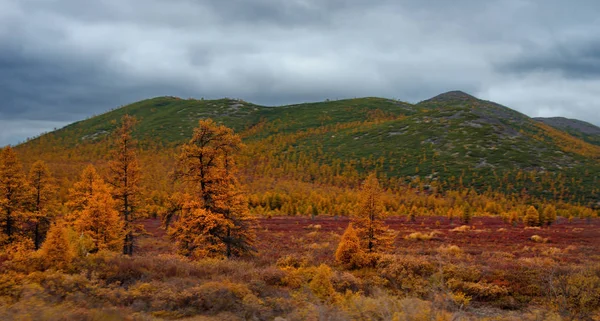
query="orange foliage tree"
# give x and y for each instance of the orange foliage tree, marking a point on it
(371, 230)
(14, 193)
(94, 212)
(56, 250)
(89, 184)
(532, 217)
(43, 192)
(349, 252)
(550, 214)
(124, 177)
(217, 222)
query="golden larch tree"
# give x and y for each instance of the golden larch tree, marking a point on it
(124, 178)
(43, 195)
(14, 194)
(94, 211)
(550, 214)
(532, 217)
(100, 221)
(349, 253)
(373, 233)
(217, 221)
(89, 184)
(56, 250)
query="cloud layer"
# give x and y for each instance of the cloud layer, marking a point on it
(64, 60)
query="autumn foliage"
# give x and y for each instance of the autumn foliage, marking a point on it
(44, 201)
(350, 253)
(56, 250)
(372, 232)
(124, 178)
(70, 243)
(14, 195)
(216, 220)
(97, 216)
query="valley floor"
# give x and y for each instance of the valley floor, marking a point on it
(488, 270)
(506, 271)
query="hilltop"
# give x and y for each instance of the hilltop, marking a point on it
(452, 140)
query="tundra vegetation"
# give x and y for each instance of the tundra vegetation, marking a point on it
(257, 226)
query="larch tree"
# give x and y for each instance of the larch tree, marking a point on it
(217, 221)
(371, 230)
(550, 214)
(43, 193)
(56, 250)
(89, 184)
(14, 194)
(349, 252)
(467, 214)
(94, 211)
(100, 221)
(532, 217)
(124, 177)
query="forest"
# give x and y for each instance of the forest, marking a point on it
(251, 224)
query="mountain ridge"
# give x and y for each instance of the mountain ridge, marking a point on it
(575, 127)
(453, 138)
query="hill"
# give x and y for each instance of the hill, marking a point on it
(453, 140)
(580, 129)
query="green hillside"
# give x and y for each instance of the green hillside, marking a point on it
(453, 139)
(580, 129)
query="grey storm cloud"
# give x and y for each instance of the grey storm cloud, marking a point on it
(64, 60)
(576, 59)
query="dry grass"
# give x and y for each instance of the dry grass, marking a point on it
(418, 236)
(463, 228)
(539, 239)
(450, 250)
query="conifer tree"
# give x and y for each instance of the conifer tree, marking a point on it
(414, 212)
(89, 184)
(94, 211)
(374, 235)
(124, 178)
(14, 193)
(532, 217)
(550, 214)
(217, 222)
(349, 252)
(101, 222)
(541, 216)
(466, 214)
(450, 214)
(56, 250)
(43, 192)
(513, 217)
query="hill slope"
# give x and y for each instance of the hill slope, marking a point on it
(583, 130)
(453, 139)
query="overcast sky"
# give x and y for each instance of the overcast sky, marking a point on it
(64, 60)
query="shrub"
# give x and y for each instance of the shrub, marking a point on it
(215, 297)
(345, 281)
(418, 236)
(450, 250)
(479, 290)
(538, 239)
(575, 293)
(292, 261)
(321, 285)
(409, 274)
(463, 228)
